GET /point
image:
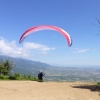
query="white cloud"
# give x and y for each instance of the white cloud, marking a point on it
(11, 49)
(77, 50)
(30, 45)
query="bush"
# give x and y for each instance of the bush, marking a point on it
(98, 83)
(35, 79)
(4, 77)
(12, 77)
(17, 76)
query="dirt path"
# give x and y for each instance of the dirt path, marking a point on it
(30, 90)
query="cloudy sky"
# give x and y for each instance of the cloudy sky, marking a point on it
(80, 18)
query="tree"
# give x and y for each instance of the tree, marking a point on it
(1, 68)
(5, 67)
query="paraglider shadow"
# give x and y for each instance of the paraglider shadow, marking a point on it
(93, 88)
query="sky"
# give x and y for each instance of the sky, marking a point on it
(77, 17)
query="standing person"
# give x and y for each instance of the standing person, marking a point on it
(40, 76)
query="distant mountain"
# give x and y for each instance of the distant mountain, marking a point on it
(24, 66)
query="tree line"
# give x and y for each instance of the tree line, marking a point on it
(6, 74)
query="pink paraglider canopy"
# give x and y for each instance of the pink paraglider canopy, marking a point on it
(43, 27)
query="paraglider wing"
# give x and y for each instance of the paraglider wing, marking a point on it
(43, 27)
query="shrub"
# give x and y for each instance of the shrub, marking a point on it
(4, 77)
(98, 83)
(35, 79)
(12, 77)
